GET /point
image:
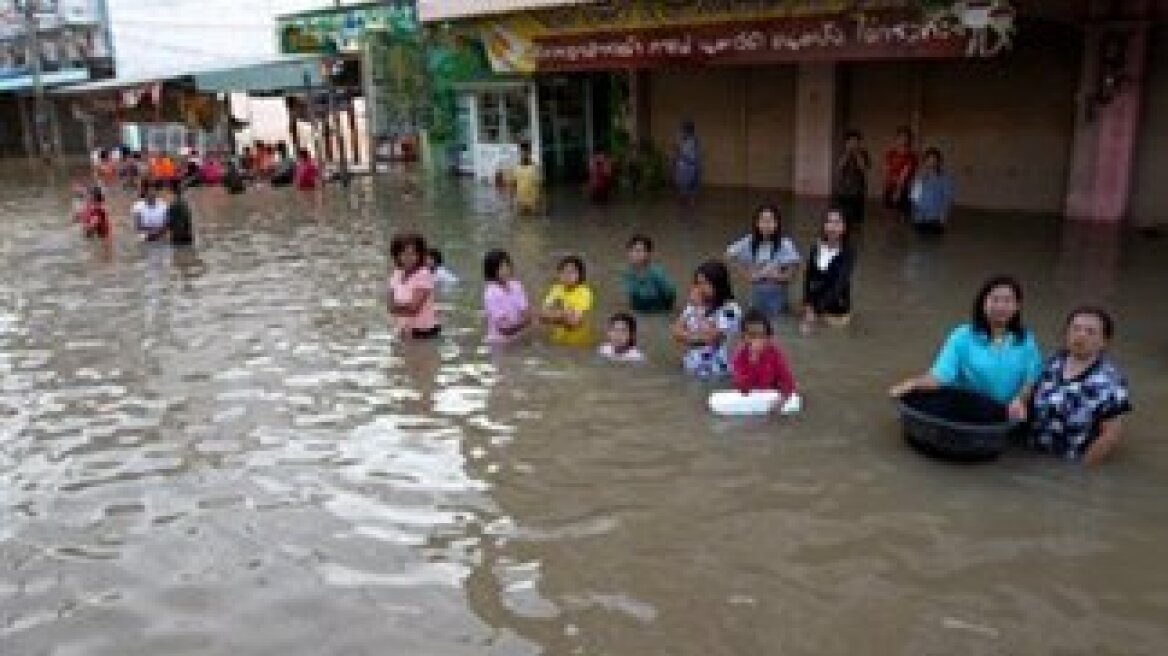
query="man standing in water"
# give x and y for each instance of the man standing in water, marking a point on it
(178, 220)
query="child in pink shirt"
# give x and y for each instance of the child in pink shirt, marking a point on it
(411, 289)
(507, 310)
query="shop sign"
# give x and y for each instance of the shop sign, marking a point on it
(521, 45)
(336, 31)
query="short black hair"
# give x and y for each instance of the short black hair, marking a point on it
(755, 316)
(576, 261)
(853, 134)
(981, 322)
(1099, 313)
(934, 152)
(406, 240)
(493, 261)
(629, 321)
(641, 239)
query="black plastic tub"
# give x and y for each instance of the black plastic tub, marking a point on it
(955, 424)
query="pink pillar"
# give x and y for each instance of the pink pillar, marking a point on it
(1108, 124)
(815, 112)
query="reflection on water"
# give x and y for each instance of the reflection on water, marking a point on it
(224, 451)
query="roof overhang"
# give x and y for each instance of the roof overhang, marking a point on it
(256, 75)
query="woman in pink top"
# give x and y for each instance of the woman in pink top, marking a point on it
(508, 312)
(411, 289)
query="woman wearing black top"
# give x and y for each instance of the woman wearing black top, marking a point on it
(827, 286)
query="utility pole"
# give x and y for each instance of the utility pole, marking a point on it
(40, 117)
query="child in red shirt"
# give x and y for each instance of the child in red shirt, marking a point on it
(900, 166)
(95, 221)
(759, 364)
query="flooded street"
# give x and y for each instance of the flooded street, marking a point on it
(225, 452)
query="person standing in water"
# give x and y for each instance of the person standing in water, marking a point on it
(647, 285)
(1081, 396)
(528, 196)
(827, 285)
(932, 195)
(769, 260)
(688, 163)
(179, 223)
(993, 355)
(149, 214)
(710, 322)
(567, 308)
(505, 304)
(851, 189)
(900, 166)
(411, 289)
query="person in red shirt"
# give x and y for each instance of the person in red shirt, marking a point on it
(95, 223)
(759, 364)
(601, 177)
(900, 167)
(307, 173)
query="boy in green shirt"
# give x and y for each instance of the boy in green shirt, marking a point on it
(647, 285)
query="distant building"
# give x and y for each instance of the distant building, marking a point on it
(74, 46)
(1042, 106)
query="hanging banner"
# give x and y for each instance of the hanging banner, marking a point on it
(534, 43)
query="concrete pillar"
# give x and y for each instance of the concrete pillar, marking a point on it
(1108, 121)
(816, 90)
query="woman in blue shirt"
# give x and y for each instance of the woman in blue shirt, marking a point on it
(994, 355)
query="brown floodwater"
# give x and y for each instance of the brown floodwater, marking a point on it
(225, 452)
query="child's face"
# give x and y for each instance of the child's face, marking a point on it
(853, 143)
(505, 272)
(932, 163)
(409, 258)
(702, 292)
(430, 262)
(834, 226)
(569, 275)
(619, 335)
(768, 223)
(638, 255)
(756, 336)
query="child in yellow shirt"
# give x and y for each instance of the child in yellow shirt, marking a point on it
(568, 305)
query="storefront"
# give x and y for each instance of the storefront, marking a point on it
(1020, 105)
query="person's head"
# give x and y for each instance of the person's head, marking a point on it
(998, 307)
(835, 227)
(497, 267)
(1088, 332)
(282, 149)
(933, 160)
(853, 139)
(96, 195)
(149, 192)
(904, 136)
(622, 331)
(767, 227)
(103, 155)
(712, 282)
(688, 128)
(570, 271)
(525, 153)
(640, 250)
(434, 259)
(756, 329)
(407, 251)
(303, 155)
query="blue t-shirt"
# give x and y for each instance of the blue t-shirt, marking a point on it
(999, 370)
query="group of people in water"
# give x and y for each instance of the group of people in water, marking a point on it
(272, 164)
(1071, 404)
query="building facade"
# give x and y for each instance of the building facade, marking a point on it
(1050, 107)
(49, 43)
